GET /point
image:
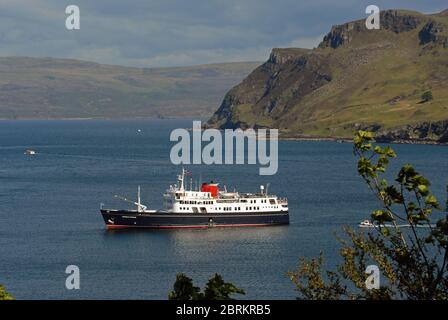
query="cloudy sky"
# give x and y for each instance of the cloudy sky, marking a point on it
(156, 33)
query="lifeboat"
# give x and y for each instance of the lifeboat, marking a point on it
(29, 152)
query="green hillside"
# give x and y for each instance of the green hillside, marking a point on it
(356, 78)
(47, 88)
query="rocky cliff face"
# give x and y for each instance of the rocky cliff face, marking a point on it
(355, 78)
(434, 32)
(391, 20)
(424, 132)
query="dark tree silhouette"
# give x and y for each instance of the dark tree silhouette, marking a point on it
(215, 289)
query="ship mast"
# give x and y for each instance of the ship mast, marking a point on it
(139, 203)
(140, 207)
(181, 180)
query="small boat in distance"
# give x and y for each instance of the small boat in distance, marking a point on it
(366, 224)
(30, 152)
(204, 208)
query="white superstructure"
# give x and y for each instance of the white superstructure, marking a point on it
(210, 199)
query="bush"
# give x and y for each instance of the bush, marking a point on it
(427, 96)
(4, 295)
(413, 263)
(215, 289)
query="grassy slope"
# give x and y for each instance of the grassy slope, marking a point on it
(377, 79)
(60, 88)
(385, 90)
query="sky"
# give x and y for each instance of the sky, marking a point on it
(164, 33)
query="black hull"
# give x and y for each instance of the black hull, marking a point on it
(118, 219)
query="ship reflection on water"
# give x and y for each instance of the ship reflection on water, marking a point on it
(205, 235)
(205, 246)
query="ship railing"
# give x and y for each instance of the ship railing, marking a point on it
(220, 200)
(282, 201)
(256, 195)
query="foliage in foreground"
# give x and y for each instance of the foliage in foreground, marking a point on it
(427, 96)
(409, 249)
(4, 295)
(215, 289)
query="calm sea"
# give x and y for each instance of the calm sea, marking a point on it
(49, 210)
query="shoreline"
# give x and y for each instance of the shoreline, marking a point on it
(350, 140)
(281, 137)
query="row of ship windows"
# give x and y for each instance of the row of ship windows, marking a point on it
(196, 202)
(272, 201)
(236, 208)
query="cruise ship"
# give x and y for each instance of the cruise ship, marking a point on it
(205, 208)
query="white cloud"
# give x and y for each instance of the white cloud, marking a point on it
(175, 32)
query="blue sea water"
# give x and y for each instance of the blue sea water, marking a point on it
(49, 210)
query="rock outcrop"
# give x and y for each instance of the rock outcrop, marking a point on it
(392, 20)
(418, 133)
(434, 32)
(355, 78)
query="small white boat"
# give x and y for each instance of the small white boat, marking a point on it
(29, 152)
(366, 224)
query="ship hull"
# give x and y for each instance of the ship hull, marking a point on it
(119, 219)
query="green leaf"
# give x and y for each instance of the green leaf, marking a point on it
(406, 172)
(421, 180)
(365, 147)
(365, 168)
(362, 139)
(389, 152)
(423, 190)
(381, 216)
(411, 206)
(432, 201)
(385, 232)
(394, 195)
(378, 150)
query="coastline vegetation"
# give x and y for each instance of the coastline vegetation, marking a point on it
(4, 295)
(412, 260)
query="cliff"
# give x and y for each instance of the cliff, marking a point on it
(356, 78)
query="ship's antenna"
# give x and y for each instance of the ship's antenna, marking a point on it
(267, 186)
(181, 180)
(139, 203)
(191, 184)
